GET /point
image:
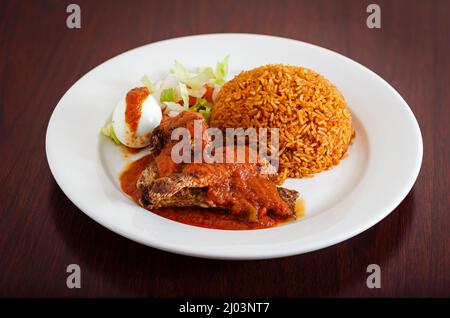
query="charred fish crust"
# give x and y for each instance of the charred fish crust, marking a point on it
(188, 197)
(170, 185)
(289, 196)
(157, 140)
(191, 197)
(147, 176)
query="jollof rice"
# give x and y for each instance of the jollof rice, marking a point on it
(315, 123)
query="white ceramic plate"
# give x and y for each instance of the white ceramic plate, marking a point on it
(381, 167)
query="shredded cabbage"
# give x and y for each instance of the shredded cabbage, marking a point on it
(198, 93)
(179, 71)
(174, 106)
(148, 83)
(221, 71)
(184, 94)
(203, 76)
(168, 95)
(108, 131)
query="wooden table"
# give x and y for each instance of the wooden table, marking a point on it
(41, 231)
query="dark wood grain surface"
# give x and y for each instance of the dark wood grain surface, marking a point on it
(41, 231)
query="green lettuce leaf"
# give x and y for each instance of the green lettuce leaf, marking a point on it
(179, 71)
(194, 81)
(148, 83)
(201, 104)
(203, 107)
(221, 71)
(108, 131)
(204, 75)
(184, 94)
(168, 95)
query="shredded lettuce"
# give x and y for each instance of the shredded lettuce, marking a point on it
(108, 131)
(179, 71)
(202, 76)
(198, 93)
(168, 95)
(221, 71)
(184, 94)
(148, 83)
(203, 107)
(172, 106)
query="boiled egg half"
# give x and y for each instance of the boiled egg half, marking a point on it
(135, 117)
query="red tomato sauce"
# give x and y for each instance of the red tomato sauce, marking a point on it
(209, 218)
(133, 111)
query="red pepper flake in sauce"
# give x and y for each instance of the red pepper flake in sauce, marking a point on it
(133, 111)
